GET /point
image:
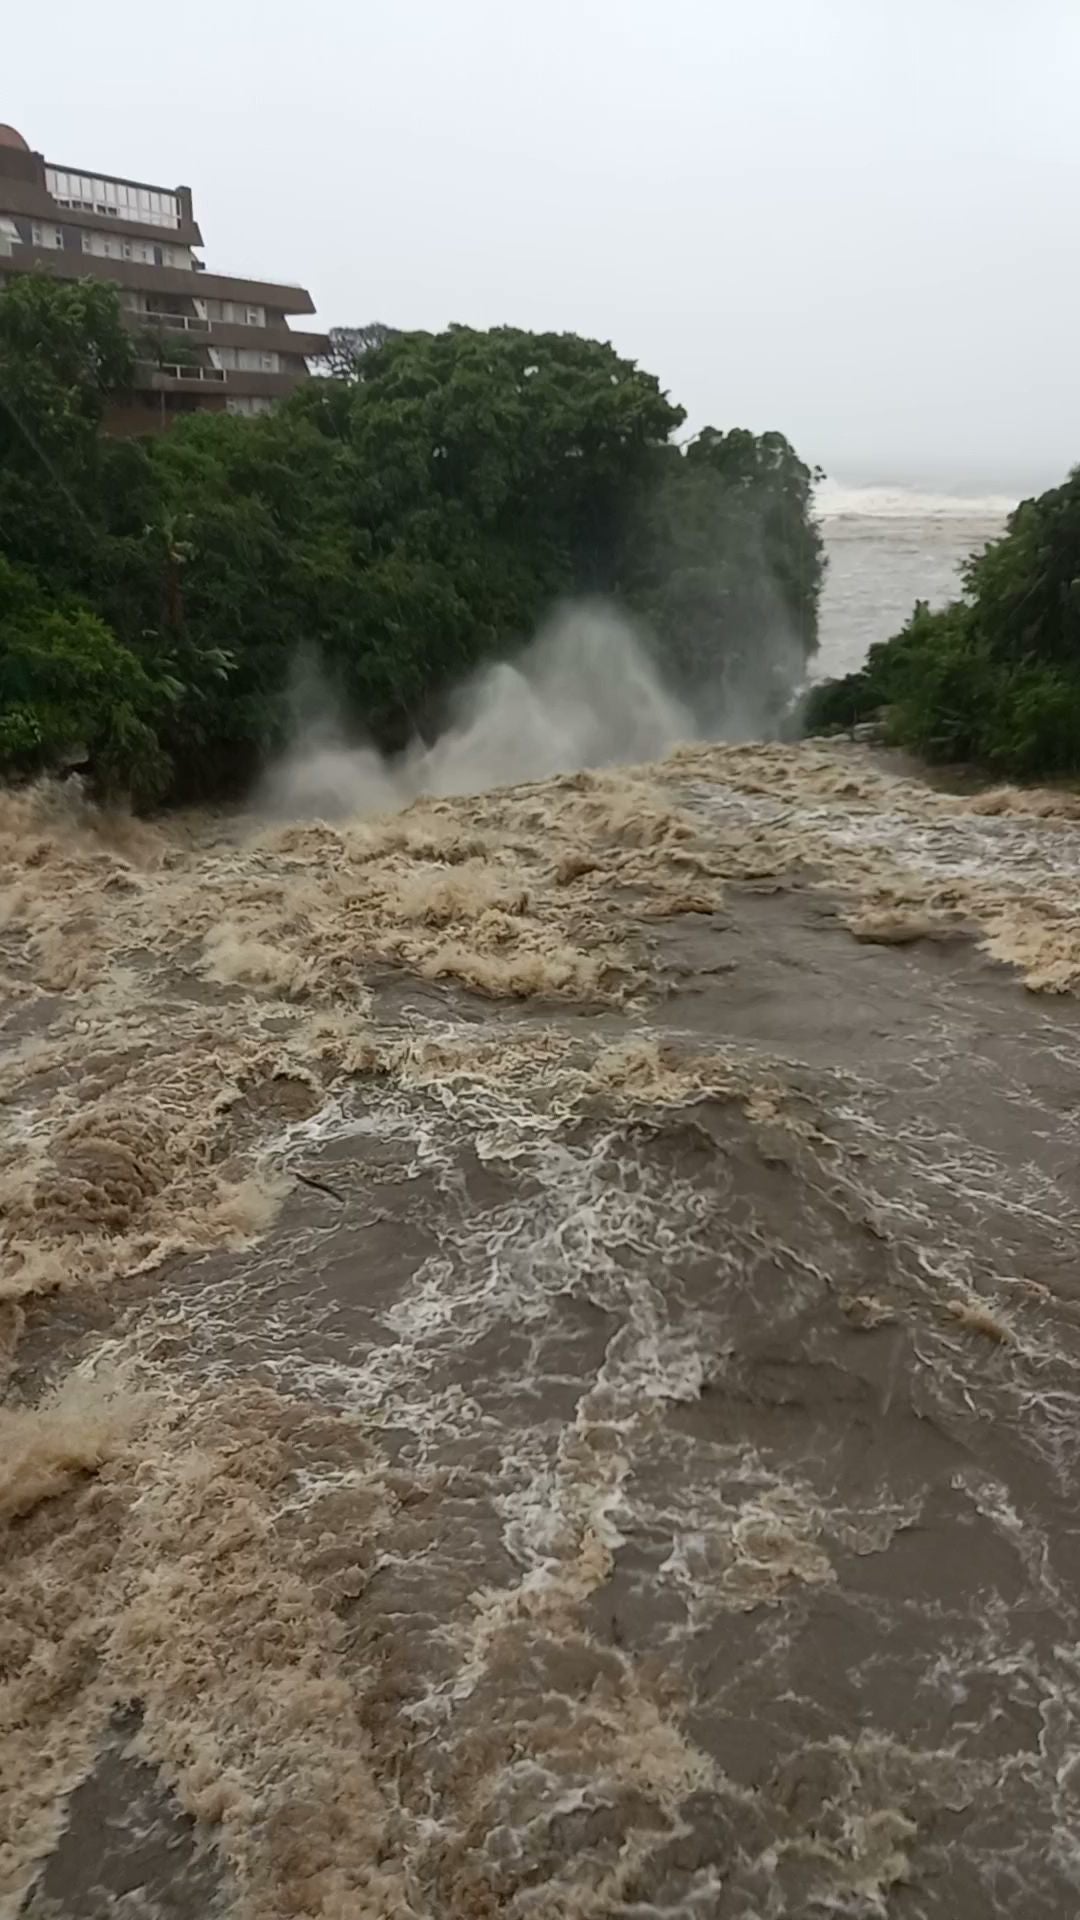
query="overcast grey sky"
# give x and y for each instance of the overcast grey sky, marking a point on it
(854, 220)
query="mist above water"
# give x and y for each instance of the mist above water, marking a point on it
(584, 693)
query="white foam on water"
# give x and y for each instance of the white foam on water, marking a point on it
(586, 692)
(833, 500)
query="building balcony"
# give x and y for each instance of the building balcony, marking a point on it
(170, 322)
(174, 378)
(276, 335)
(172, 372)
(64, 265)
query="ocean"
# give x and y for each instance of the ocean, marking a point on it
(887, 548)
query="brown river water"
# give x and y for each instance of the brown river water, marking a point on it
(543, 1351)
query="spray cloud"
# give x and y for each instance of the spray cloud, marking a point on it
(584, 693)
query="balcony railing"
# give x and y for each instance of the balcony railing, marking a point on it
(173, 371)
(178, 322)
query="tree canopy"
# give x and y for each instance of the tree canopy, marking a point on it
(727, 566)
(349, 346)
(408, 516)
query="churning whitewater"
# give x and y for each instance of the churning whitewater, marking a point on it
(544, 1349)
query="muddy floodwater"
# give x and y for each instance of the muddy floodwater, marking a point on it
(543, 1353)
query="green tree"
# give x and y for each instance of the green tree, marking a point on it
(401, 523)
(63, 352)
(71, 693)
(349, 348)
(165, 348)
(483, 475)
(726, 562)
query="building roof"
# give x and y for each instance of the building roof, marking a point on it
(9, 137)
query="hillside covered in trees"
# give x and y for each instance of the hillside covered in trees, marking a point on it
(993, 679)
(408, 516)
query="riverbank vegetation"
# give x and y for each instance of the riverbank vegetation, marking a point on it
(993, 679)
(411, 514)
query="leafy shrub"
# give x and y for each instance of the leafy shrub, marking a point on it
(71, 692)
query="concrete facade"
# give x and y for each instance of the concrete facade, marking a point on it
(206, 342)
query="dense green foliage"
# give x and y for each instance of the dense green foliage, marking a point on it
(726, 565)
(69, 687)
(348, 346)
(402, 520)
(994, 678)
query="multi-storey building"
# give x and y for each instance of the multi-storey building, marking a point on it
(203, 340)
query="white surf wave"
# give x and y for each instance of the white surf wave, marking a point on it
(833, 500)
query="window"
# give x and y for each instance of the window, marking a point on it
(10, 236)
(113, 197)
(111, 246)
